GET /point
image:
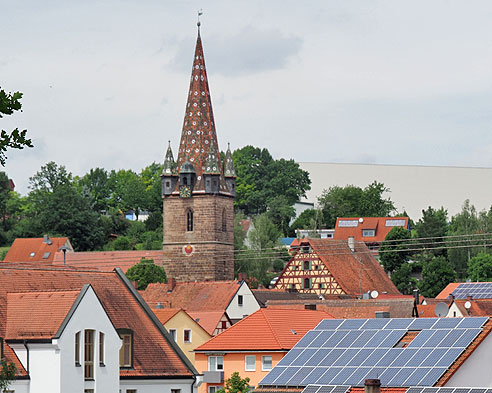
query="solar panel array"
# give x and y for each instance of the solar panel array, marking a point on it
(479, 290)
(448, 390)
(346, 352)
(326, 389)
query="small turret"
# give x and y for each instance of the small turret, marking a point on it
(229, 172)
(187, 176)
(211, 173)
(169, 176)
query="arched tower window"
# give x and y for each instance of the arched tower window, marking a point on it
(224, 220)
(189, 220)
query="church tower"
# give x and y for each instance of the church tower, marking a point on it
(198, 192)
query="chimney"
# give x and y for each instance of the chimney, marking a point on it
(46, 239)
(372, 386)
(171, 284)
(351, 243)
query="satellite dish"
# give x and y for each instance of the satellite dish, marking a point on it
(361, 220)
(374, 294)
(441, 309)
(467, 305)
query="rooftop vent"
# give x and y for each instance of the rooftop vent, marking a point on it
(159, 306)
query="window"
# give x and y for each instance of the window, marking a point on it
(131, 390)
(168, 184)
(88, 390)
(126, 356)
(239, 300)
(77, 349)
(310, 306)
(213, 389)
(89, 354)
(215, 363)
(307, 265)
(223, 324)
(172, 332)
(250, 363)
(189, 220)
(266, 363)
(46, 255)
(321, 286)
(101, 348)
(368, 232)
(187, 335)
(224, 221)
(307, 283)
(175, 390)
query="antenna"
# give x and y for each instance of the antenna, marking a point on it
(441, 309)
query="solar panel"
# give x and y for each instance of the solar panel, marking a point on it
(345, 352)
(311, 389)
(477, 290)
(341, 389)
(410, 390)
(326, 389)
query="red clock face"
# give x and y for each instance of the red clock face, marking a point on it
(188, 250)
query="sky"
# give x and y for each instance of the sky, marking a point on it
(342, 81)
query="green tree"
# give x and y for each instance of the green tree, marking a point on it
(306, 220)
(433, 226)
(151, 179)
(235, 384)
(480, 267)
(393, 251)
(261, 178)
(7, 374)
(353, 201)
(10, 103)
(402, 278)
(100, 186)
(146, 272)
(280, 211)
(129, 191)
(436, 274)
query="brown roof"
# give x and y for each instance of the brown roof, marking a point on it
(479, 307)
(208, 320)
(193, 296)
(107, 261)
(155, 353)
(376, 223)
(265, 295)
(35, 249)
(37, 315)
(280, 330)
(355, 271)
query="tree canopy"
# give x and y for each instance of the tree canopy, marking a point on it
(480, 267)
(235, 384)
(146, 272)
(7, 374)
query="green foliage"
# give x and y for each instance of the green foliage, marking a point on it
(280, 211)
(436, 274)
(7, 374)
(15, 139)
(261, 178)
(353, 201)
(235, 384)
(480, 267)
(146, 272)
(121, 243)
(308, 219)
(434, 225)
(402, 278)
(100, 187)
(391, 252)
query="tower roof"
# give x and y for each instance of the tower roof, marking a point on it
(198, 137)
(169, 164)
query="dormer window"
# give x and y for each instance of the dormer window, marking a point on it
(368, 232)
(126, 350)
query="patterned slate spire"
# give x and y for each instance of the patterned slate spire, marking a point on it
(198, 135)
(212, 163)
(229, 165)
(169, 164)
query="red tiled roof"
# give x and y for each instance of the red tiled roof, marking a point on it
(280, 330)
(154, 353)
(479, 307)
(106, 261)
(165, 314)
(37, 315)
(10, 356)
(376, 223)
(193, 296)
(208, 320)
(447, 291)
(383, 390)
(21, 249)
(355, 271)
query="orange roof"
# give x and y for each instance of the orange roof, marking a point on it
(280, 329)
(155, 353)
(165, 314)
(353, 226)
(193, 296)
(208, 320)
(36, 249)
(447, 291)
(106, 261)
(384, 389)
(37, 315)
(479, 307)
(355, 271)
(12, 357)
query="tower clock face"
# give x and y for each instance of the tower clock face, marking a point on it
(184, 191)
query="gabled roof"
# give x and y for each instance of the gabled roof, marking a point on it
(36, 249)
(10, 356)
(355, 271)
(191, 295)
(107, 261)
(208, 320)
(280, 330)
(448, 290)
(155, 353)
(37, 315)
(353, 226)
(166, 314)
(478, 308)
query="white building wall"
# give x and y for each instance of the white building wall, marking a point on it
(20, 386)
(90, 315)
(475, 371)
(44, 368)
(158, 385)
(250, 304)
(413, 188)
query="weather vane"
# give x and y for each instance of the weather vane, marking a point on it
(200, 13)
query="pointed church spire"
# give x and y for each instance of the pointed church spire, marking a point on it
(212, 163)
(169, 164)
(229, 165)
(198, 135)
